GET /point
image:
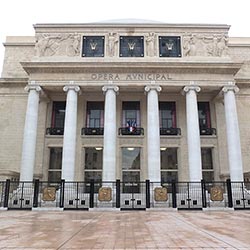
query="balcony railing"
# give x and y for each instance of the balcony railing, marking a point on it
(54, 131)
(131, 131)
(170, 131)
(207, 131)
(92, 131)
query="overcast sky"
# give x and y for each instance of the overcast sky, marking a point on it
(17, 17)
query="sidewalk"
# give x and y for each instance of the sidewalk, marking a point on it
(124, 230)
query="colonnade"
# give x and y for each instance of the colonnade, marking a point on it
(153, 134)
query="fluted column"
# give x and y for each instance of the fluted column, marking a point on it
(153, 134)
(193, 133)
(233, 134)
(110, 132)
(30, 133)
(69, 138)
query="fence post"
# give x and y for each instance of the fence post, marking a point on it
(91, 195)
(6, 193)
(36, 193)
(174, 194)
(118, 193)
(229, 193)
(203, 193)
(61, 205)
(147, 194)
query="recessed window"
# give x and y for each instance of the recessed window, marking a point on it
(207, 164)
(57, 119)
(167, 115)
(95, 115)
(55, 165)
(93, 166)
(170, 46)
(131, 46)
(131, 169)
(58, 114)
(204, 115)
(93, 46)
(131, 119)
(205, 119)
(169, 165)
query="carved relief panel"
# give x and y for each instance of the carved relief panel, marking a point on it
(205, 45)
(57, 44)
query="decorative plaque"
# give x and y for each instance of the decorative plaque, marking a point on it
(49, 194)
(161, 194)
(105, 194)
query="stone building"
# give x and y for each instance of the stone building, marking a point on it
(125, 100)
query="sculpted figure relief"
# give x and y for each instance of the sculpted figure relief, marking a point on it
(113, 39)
(58, 45)
(150, 42)
(204, 45)
(73, 47)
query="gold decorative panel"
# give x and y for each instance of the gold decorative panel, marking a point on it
(105, 194)
(49, 194)
(216, 194)
(161, 194)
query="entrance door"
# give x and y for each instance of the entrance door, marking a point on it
(133, 195)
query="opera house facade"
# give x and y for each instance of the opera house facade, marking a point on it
(127, 101)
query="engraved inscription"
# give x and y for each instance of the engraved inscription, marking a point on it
(130, 77)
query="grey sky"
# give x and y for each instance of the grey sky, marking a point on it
(17, 17)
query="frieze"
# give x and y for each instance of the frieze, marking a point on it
(57, 45)
(205, 45)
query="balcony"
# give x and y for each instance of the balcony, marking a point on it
(131, 131)
(54, 131)
(92, 131)
(207, 131)
(170, 131)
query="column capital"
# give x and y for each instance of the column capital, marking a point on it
(158, 88)
(115, 88)
(230, 87)
(187, 88)
(76, 88)
(35, 87)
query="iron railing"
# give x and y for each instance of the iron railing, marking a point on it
(92, 131)
(54, 131)
(207, 131)
(124, 195)
(131, 131)
(170, 131)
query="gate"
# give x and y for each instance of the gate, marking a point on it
(189, 195)
(77, 195)
(241, 195)
(162, 195)
(216, 194)
(47, 195)
(106, 194)
(133, 196)
(20, 195)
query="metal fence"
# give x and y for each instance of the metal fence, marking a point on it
(2, 192)
(124, 195)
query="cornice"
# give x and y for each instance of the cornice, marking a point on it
(8, 80)
(130, 25)
(227, 67)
